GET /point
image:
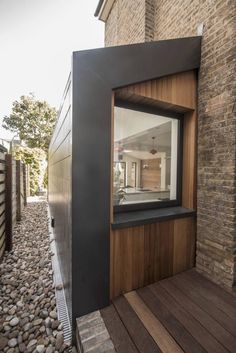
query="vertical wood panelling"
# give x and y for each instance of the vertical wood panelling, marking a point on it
(177, 93)
(2, 201)
(145, 254)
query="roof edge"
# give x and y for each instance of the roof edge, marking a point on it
(103, 9)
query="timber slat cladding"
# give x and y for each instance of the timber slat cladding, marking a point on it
(117, 331)
(216, 330)
(158, 332)
(170, 322)
(2, 203)
(208, 342)
(145, 254)
(188, 286)
(213, 293)
(171, 315)
(140, 336)
(176, 90)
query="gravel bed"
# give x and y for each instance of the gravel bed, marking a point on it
(28, 316)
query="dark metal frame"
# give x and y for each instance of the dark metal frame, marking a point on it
(95, 75)
(158, 204)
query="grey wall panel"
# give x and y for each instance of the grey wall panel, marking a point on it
(60, 189)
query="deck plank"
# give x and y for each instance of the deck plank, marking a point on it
(117, 331)
(220, 296)
(158, 332)
(187, 342)
(140, 336)
(188, 321)
(186, 284)
(216, 330)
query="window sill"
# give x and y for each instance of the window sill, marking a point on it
(137, 218)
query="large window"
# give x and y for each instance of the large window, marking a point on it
(146, 169)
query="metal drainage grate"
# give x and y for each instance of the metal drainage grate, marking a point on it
(62, 310)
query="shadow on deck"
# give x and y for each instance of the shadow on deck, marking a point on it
(184, 313)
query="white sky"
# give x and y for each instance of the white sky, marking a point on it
(37, 38)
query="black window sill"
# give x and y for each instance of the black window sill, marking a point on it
(137, 218)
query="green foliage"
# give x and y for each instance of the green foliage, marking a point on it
(36, 159)
(32, 120)
(45, 179)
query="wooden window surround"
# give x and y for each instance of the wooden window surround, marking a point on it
(140, 255)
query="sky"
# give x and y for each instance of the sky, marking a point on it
(37, 38)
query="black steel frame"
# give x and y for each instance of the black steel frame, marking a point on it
(157, 204)
(95, 74)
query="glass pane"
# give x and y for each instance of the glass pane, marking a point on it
(145, 157)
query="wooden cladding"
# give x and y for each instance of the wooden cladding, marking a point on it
(2, 201)
(145, 254)
(151, 176)
(176, 92)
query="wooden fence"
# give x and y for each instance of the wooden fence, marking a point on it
(13, 196)
(2, 200)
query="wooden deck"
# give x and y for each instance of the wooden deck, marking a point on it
(184, 313)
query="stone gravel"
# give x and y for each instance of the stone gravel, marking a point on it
(28, 315)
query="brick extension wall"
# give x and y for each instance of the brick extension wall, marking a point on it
(138, 21)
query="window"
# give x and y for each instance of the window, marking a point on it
(147, 159)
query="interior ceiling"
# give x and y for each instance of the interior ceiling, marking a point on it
(143, 141)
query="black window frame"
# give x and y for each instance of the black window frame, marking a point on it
(145, 108)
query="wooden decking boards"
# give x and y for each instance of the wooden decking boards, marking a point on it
(184, 313)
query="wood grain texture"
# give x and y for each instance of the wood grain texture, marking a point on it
(186, 341)
(211, 325)
(140, 336)
(145, 254)
(117, 331)
(151, 177)
(2, 203)
(207, 341)
(158, 332)
(176, 92)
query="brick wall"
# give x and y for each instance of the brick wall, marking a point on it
(137, 21)
(130, 22)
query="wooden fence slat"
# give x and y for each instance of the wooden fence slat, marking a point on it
(2, 208)
(2, 187)
(2, 156)
(18, 190)
(9, 202)
(2, 200)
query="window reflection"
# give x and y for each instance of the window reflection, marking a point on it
(145, 157)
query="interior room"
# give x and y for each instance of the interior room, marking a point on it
(145, 156)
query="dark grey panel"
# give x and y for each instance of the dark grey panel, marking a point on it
(60, 189)
(137, 218)
(95, 74)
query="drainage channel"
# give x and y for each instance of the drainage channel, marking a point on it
(62, 310)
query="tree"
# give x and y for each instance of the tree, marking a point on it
(33, 120)
(36, 159)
